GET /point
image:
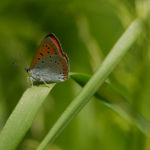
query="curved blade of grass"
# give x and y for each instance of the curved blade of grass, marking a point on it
(113, 58)
(21, 118)
(108, 96)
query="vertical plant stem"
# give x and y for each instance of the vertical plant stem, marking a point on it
(113, 58)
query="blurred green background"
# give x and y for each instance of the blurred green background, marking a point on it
(87, 30)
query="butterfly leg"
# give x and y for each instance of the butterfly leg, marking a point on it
(28, 81)
(31, 81)
(44, 82)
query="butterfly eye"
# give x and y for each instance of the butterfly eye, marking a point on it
(27, 69)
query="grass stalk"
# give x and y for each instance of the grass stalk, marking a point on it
(21, 118)
(110, 62)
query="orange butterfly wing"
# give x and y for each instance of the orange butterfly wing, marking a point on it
(51, 46)
(61, 53)
(45, 49)
(57, 43)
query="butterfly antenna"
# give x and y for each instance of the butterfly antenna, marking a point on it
(20, 61)
(21, 56)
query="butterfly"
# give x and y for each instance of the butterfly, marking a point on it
(50, 63)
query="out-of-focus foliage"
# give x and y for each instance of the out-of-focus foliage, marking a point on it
(87, 30)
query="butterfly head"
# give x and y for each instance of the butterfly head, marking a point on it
(29, 71)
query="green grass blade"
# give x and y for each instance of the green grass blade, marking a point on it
(21, 118)
(111, 61)
(108, 96)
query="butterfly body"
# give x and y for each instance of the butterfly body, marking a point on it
(50, 63)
